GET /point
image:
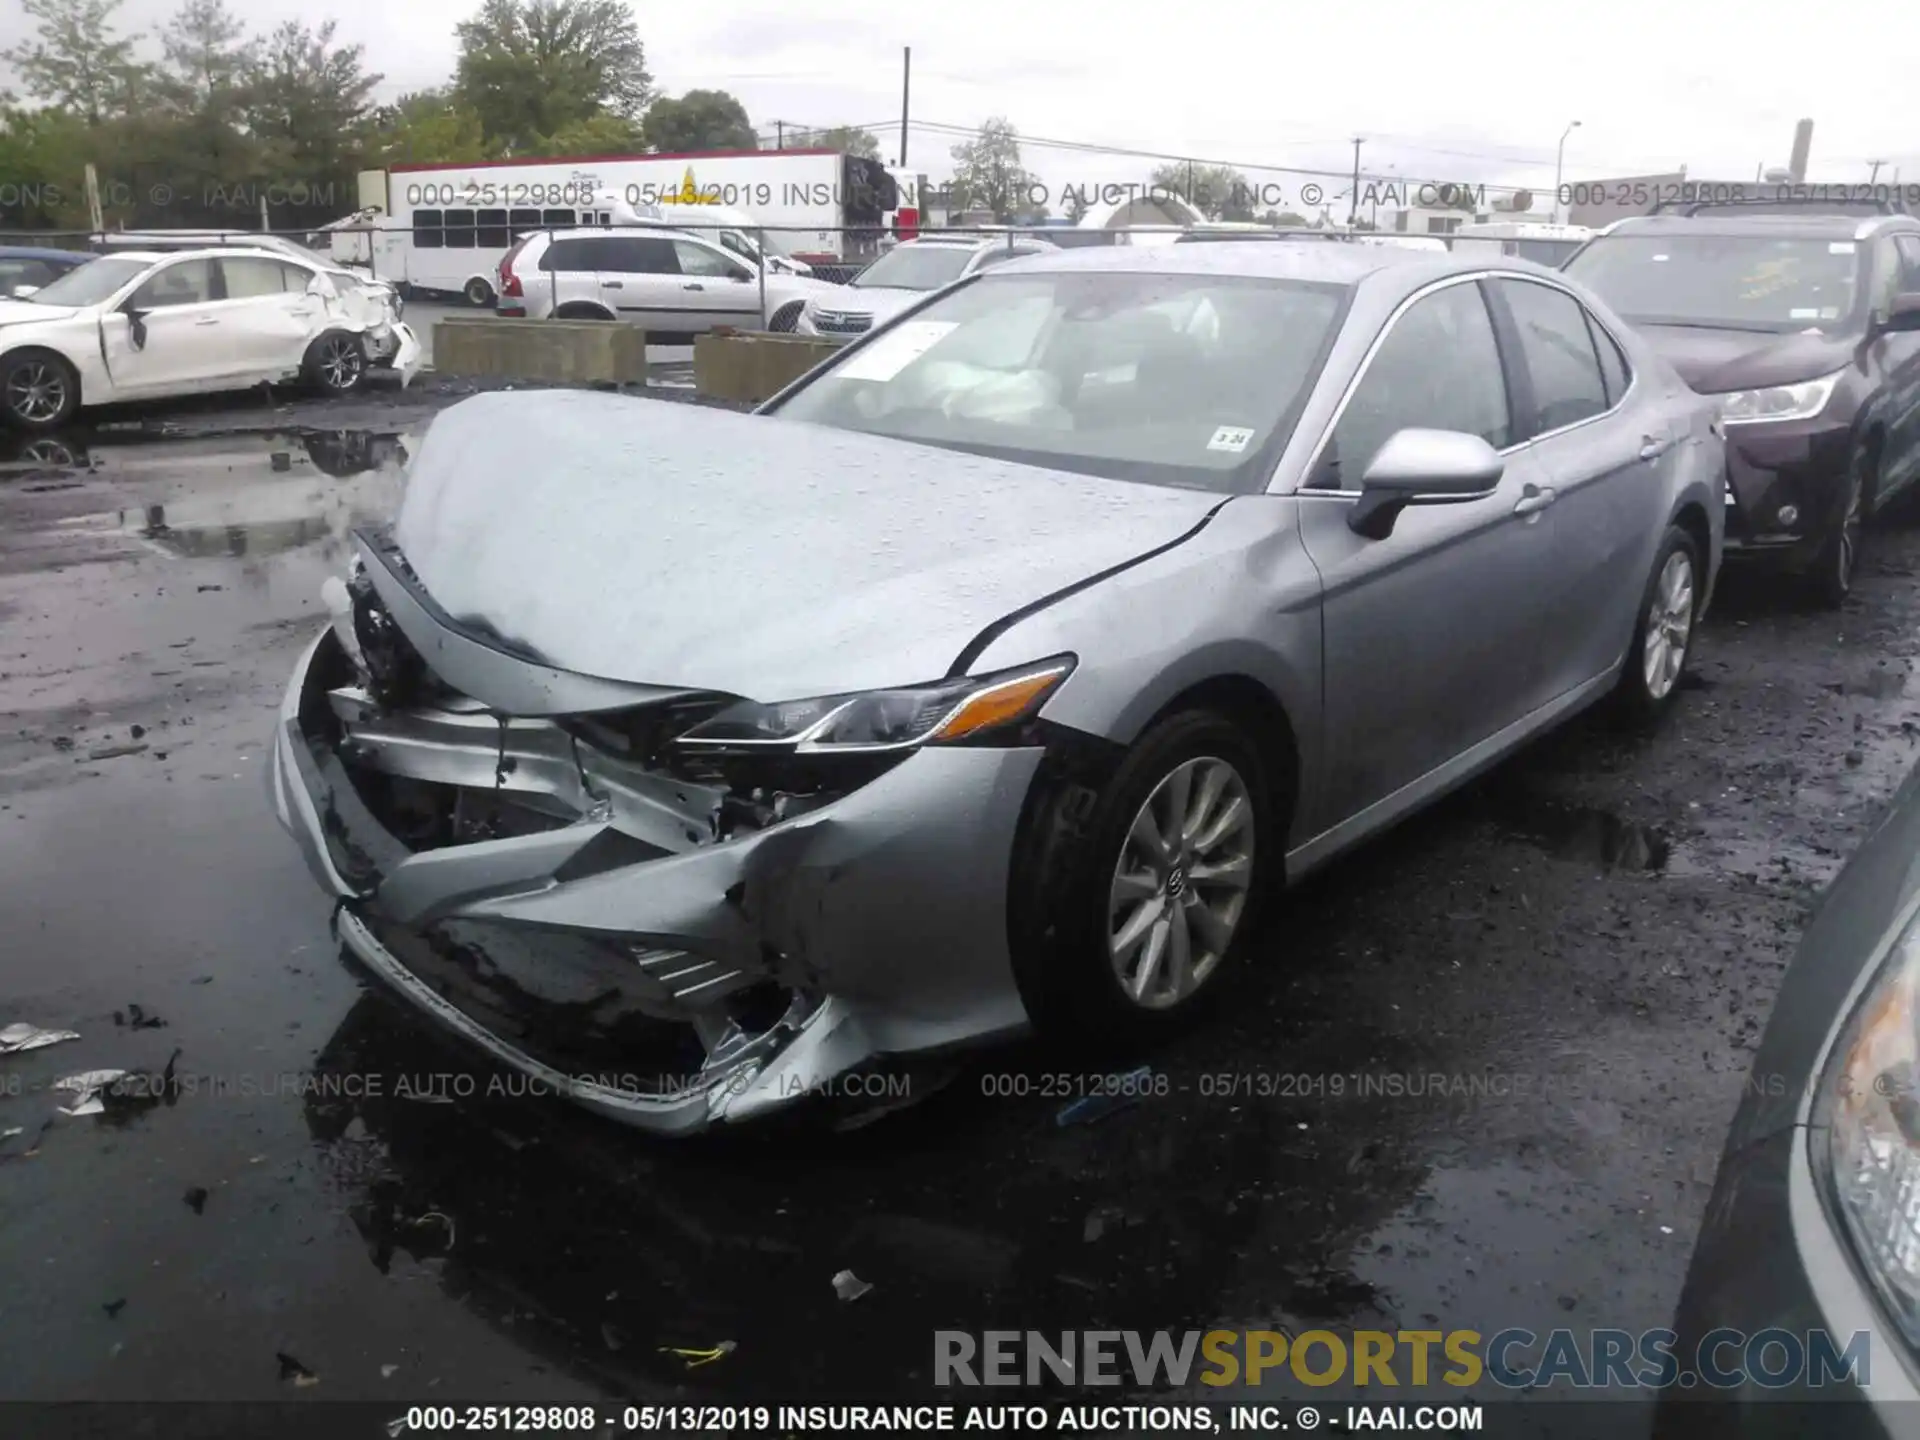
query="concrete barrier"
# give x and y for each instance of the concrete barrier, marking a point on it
(751, 367)
(580, 351)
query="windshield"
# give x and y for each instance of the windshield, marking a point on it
(916, 267)
(1738, 282)
(90, 283)
(1191, 380)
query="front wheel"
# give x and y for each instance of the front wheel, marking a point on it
(38, 391)
(1152, 900)
(1663, 636)
(1831, 577)
(479, 292)
(336, 363)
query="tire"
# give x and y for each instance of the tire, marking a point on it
(478, 292)
(786, 318)
(1830, 579)
(39, 391)
(581, 312)
(1663, 630)
(336, 363)
(1095, 905)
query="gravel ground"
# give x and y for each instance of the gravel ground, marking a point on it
(1594, 931)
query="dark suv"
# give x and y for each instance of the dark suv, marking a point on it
(1804, 325)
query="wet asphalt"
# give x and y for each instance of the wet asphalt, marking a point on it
(1594, 931)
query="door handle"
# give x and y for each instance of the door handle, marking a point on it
(207, 320)
(695, 286)
(613, 284)
(1533, 500)
(1652, 447)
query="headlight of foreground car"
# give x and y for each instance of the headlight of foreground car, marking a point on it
(976, 708)
(1779, 402)
(1870, 1105)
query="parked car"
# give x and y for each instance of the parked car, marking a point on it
(993, 674)
(905, 275)
(1802, 325)
(677, 285)
(26, 268)
(163, 242)
(1541, 242)
(1811, 1228)
(142, 326)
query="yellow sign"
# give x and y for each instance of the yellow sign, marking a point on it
(690, 193)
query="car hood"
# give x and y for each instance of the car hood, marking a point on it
(20, 312)
(671, 544)
(879, 301)
(1716, 361)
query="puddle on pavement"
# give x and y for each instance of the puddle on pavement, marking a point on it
(1581, 833)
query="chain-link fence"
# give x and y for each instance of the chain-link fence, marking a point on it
(677, 277)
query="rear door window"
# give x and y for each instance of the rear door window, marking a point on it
(1557, 349)
(569, 255)
(635, 255)
(1613, 363)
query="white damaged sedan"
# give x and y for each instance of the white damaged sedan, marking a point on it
(143, 326)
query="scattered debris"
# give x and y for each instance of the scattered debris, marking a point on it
(849, 1286)
(21, 1036)
(202, 980)
(113, 1308)
(11, 1131)
(1125, 1091)
(196, 1199)
(292, 1369)
(86, 1088)
(612, 1336)
(387, 1372)
(1095, 1227)
(281, 461)
(135, 1018)
(696, 1358)
(63, 742)
(115, 752)
(136, 731)
(203, 589)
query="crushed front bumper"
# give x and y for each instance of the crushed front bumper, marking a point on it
(878, 919)
(1800, 466)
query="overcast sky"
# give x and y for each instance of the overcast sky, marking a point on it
(1469, 88)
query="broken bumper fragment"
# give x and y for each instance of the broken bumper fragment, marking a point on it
(657, 945)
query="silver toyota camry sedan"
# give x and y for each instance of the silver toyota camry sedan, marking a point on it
(991, 676)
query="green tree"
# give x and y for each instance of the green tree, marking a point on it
(211, 63)
(698, 120)
(846, 139)
(44, 154)
(1218, 192)
(427, 127)
(604, 133)
(987, 173)
(77, 60)
(531, 68)
(312, 103)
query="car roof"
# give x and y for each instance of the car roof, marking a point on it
(1335, 264)
(1815, 225)
(43, 252)
(976, 239)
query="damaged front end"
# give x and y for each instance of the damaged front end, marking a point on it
(656, 901)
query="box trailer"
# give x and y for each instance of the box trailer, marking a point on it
(444, 227)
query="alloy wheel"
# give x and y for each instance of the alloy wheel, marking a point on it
(1669, 626)
(1181, 883)
(36, 391)
(340, 362)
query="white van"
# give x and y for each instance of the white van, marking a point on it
(1527, 240)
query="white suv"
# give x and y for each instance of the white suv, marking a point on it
(675, 285)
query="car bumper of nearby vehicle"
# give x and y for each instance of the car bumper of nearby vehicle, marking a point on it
(1793, 465)
(785, 957)
(1768, 1258)
(396, 349)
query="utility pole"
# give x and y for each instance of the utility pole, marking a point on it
(780, 134)
(906, 89)
(1353, 206)
(1559, 160)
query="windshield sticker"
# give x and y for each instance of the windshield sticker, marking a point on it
(1660, 257)
(885, 356)
(1840, 247)
(1810, 312)
(1231, 438)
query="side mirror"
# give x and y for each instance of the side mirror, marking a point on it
(1903, 314)
(21, 292)
(1423, 467)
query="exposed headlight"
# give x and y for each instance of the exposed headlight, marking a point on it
(1869, 1105)
(1779, 402)
(937, 714)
